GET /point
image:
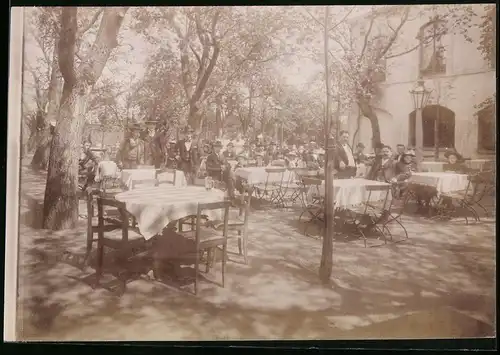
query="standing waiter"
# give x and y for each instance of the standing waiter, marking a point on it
(188, 155)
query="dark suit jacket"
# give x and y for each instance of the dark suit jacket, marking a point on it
(383, 172)
(214, 165)
(188, 158)
(341, 156)
(397, 157)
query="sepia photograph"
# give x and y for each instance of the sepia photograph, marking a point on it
(214, 173)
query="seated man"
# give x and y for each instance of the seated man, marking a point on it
(87, 165)
(384, 168)
(219, 169)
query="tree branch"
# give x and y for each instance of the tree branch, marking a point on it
(198, 59)
(93, 20)
(367, 36)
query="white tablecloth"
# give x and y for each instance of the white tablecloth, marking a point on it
(155, 207)
(128, 175)
(258, 175)
(476, 164)
(443, 182)
(353, 192)
(432, 166)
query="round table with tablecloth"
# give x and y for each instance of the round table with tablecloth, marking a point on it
(477, 164)
(155, 207)
(443, 182)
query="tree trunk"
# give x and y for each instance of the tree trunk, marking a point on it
(61, 196)
(218, 117)
(41, 157)
(367, 111)
(325, 269)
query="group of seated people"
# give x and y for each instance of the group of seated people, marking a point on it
(220, 162)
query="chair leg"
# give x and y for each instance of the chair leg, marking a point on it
(224, 251)
(239, 243)
(100, 261)
(245, 248)
(209, 258)
(196, 270)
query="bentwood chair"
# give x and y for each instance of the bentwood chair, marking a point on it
(238, 222)
(313, 203)
(271, 188)
(372, 215)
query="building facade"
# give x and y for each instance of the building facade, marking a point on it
(461, 79)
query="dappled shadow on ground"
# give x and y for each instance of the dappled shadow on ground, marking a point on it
(278, 294)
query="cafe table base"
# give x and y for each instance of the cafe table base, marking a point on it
(155, 207)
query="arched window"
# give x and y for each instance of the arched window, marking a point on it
(486, 129)
(432, 48)
(446, 126)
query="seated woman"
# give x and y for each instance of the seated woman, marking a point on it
(87, 164)
(259, 160)
(292, 160)
(455, 163)
(403, 171)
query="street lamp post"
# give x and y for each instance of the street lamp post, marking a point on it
(420, 95)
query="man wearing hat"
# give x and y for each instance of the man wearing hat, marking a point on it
(230, 154)
(271, 154)
(219, 169)
(188, 157)
(172, 155)
(131, 154)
